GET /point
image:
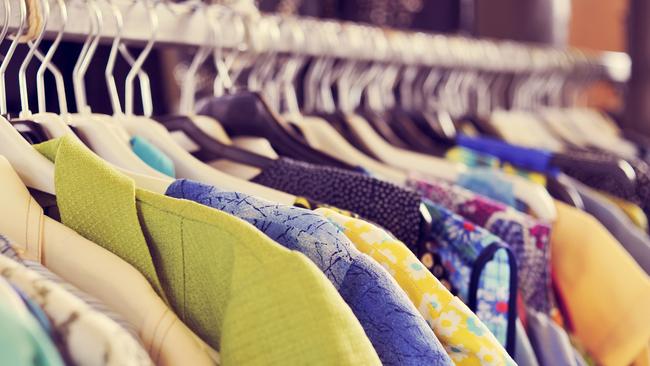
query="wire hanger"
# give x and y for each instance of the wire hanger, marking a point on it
(10, 53)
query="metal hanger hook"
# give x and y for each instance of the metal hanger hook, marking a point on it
(9, 55)
(137, 66)
(46, 64)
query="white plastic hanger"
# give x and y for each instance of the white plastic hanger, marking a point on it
(53, 123)
(322, 136)
(106, 139)
(34, 169)
(396, 157)
(534, 195)
(524, 128)
(600, 132)
(187, 107)
(187, 166)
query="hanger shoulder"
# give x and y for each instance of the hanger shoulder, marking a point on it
(209, 148)
(33, 168)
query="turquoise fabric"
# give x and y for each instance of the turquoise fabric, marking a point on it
(485, 182)
(152, 156)
(23, 342)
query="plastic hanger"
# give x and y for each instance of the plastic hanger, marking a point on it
(403, 132)
(409, 122)
(207, 148)
(386, 152)
(44, 240)
(427, 111)
(33, 168)
(374, 114)
(30, 130)
(535, 196)
(247, 113)
(107, 139)
(316, 104)
(187, 166)
(323, 136)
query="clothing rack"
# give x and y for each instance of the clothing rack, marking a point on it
(187, 24)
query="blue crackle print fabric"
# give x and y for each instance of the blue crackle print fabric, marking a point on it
(393, 325)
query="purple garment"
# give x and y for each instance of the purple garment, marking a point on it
(528, 238)
(397, 331)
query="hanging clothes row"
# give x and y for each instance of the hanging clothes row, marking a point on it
(347, 205)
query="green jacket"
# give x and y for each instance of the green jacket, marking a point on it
(255, 301)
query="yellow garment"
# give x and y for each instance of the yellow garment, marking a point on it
(644, 358)
(605, 293)
(465, 338)
(634, 212)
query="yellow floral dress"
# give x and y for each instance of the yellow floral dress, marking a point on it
(465, 338)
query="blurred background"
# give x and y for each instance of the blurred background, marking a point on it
(596, 25)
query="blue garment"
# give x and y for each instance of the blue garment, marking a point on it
(481, 267)
(397, 331)
(485, 182)
(527, 158)
(152, 156)
(36, 312)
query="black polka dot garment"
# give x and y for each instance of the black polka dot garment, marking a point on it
(573, 162)
(396, 209)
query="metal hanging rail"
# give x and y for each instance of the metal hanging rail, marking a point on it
(186, 25)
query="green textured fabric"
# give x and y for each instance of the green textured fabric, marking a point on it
(257, 302)
(113, 228)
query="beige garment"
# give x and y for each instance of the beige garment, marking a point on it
(97, 272)
(90, 337)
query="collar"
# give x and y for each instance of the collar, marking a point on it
(99, 203)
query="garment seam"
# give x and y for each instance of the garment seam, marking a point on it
(224, 228)
(165, 332)
(27, 220)
(153, 346)
(182, 225)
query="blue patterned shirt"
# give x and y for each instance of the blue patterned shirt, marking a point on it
(396, 329)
